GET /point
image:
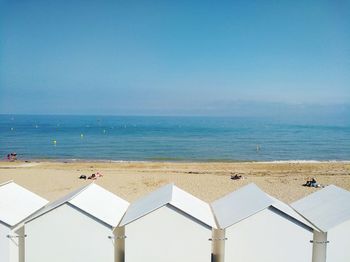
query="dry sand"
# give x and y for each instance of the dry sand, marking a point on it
(207, 181)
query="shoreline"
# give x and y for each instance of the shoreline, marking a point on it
(59, 160)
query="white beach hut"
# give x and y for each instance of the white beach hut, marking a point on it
(258, 227)
(329, 210)
(77, 227)
(168, 225)
(16, 204)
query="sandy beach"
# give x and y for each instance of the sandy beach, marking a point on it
(208, 181)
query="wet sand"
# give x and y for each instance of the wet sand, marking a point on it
(207, 181)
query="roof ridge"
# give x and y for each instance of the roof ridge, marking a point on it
(312, 223)
(78, 191)
(172, 186)
(276, 202)
(331, 199)
(240, 198)
(58, 202)
(320, 192)
(167, 198)
(177, 191)
(7, 182)
(240, 189)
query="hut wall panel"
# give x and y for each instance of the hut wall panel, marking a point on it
(338, 248)
(68, 235)
(166, 235)
(267, 236)
(4, 243)
(14, 247)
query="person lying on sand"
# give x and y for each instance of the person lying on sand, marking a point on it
(93, 177)
(312, 183)
(236, 177)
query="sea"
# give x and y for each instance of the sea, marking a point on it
(150, 138)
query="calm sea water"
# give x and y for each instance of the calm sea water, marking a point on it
(170, 138)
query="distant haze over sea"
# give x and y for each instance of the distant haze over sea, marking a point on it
(298, 112)
(320, 135)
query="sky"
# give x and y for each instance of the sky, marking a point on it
(173, 57)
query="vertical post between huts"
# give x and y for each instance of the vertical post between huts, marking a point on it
(319, 247)
(218, 245)
(119, 244)
(21, 242)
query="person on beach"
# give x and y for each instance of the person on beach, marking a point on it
(92, 177)
(311, 183)
(12, 157)
(95, 176)
(236, 177)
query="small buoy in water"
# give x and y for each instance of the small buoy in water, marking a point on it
(36, 126)
(104, 131)
(81, 135)
(12, 129)
(54, 142)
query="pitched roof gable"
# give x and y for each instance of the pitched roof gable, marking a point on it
(18, 203)
(94, 200)
(247, 201)
(172, 195)
(325, 208)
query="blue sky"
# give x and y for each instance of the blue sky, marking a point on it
(172, 57)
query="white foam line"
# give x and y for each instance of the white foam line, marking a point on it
(303, 161)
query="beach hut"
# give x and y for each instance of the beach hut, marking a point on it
(168, 225)
(16, 204)
(254, 226)
(77, 227)
(329, 210)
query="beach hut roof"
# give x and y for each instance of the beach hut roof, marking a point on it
(174, 196)
(325, 208)
(95, 201)
(17, 203)
(246, 202)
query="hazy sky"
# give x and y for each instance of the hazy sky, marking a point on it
(154, 57)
